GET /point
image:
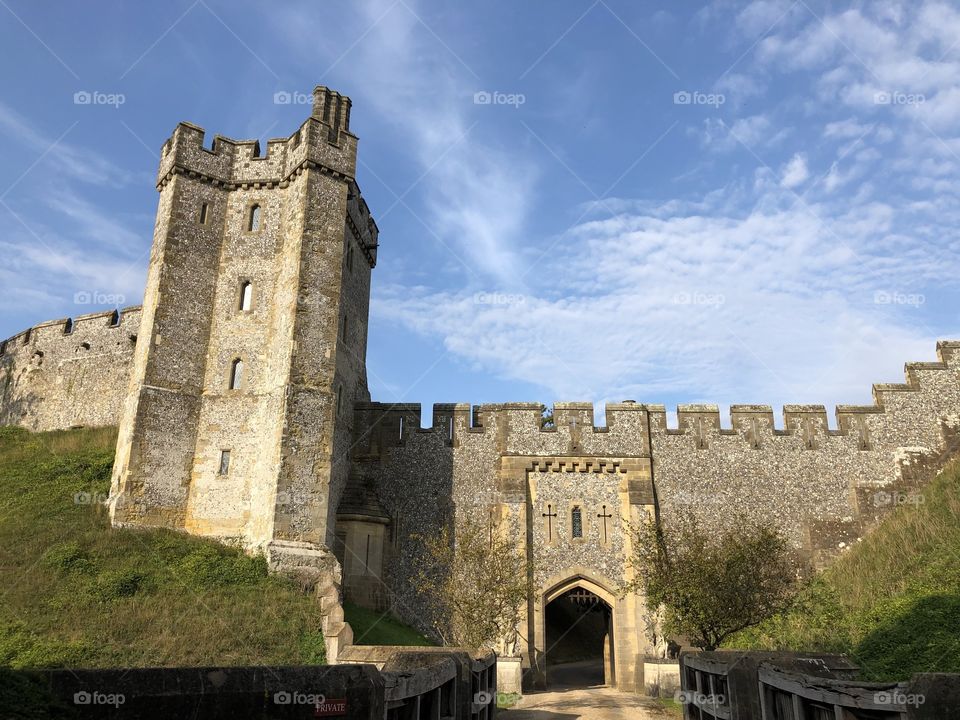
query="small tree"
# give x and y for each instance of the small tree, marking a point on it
(712, 584)
(474, 582)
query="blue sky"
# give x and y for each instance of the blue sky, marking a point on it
(669, 202)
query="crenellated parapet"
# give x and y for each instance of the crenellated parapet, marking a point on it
(323, 142)
(515, 428)
(67, 372)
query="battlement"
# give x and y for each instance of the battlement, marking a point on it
(69, 371)
(753, 423)
(323, 141)
(127, 318)
(362, 224)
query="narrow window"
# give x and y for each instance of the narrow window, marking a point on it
(236, 374)
(401, 428)
(204, 214)
(576, 522)
(350, 257)
(366, 561)
(343, 328)
(114, 319)
(339, 398)
(68, 326)
(246, 296)
(253, 218)
(26, 336)
(224, 463)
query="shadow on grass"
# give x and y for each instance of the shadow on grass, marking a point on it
(921, 637)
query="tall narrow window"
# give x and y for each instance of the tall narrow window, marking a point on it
(246, 296)
(339, 398)
(115, 318)
(253, 218)
(236, 374)
(204, 214)
(224, 463)
(350, 256)
(576, 522)
(68, 326)
(343, 327)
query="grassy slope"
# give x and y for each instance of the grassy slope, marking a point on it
(74, 592)
(375, 628)
(892, 602)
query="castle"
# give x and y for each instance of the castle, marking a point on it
(239, 388)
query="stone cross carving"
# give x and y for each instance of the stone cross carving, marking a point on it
(864, 435)
(604, 514)
(549, 515)
(701, 436)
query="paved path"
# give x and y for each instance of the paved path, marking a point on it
(566, 702)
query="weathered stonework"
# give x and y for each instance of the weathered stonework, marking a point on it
(335, 488)
(68, 372)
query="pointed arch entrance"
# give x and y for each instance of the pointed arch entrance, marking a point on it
(576, 637)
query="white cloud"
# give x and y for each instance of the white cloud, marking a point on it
(795, 172)
(775, 304)
(479, 192)
(73, 162)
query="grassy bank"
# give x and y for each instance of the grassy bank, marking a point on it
(76, 593)
(892, 602)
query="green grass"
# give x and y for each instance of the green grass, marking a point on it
(670, 707)
(892, 603)
(76, 593)
(376, 628)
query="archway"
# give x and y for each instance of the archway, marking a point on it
(577, 618)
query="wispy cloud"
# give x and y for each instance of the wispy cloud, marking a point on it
(424, 91)
(72, 161)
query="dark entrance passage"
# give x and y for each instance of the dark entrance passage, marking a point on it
(579, 641)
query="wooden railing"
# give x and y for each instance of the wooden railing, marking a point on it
(731, 685)
(376, 683)
(422, 683)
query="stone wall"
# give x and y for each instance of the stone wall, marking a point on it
(823, 488)
(68, 372)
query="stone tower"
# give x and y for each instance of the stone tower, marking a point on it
(252, 348)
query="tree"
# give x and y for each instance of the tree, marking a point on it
(474, 582)
(712, 584)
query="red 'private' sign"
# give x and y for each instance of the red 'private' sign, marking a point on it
(337, 706)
